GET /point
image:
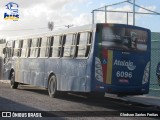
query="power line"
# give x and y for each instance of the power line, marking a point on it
(68, 26)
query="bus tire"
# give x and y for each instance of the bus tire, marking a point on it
(52, 87)
(13, 84)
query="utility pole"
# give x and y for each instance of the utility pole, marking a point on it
(51, 25)
(133, 12)
(68, 26)
(92, 17)
(105, 14)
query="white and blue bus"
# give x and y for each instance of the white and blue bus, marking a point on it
(94, 59)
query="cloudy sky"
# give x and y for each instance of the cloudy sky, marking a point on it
(35, 14)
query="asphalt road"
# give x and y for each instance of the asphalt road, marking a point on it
(27, 98)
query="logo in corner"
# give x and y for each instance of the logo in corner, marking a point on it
(11, 11)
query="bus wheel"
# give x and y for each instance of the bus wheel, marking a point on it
(14, 84)
(52, 87)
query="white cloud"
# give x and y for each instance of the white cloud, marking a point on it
(89, 3)
(84, 18)
(36, 14)
(52, 4)
(152, 8)
(102, 4)
(115, 17)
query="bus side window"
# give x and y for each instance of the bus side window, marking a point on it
(84, 43)
(43, 47)
(16, 49)
(38, 48)
(49, 44)
(37, 51)
(24, 48)
(55, 48)
(20, 48)
(89, 40)
(69, 45)
(13, 45)
(10, 49)
(28, 53)
(34, 48)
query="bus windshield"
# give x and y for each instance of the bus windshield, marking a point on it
(122, 38)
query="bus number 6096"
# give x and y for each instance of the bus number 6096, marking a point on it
(124, 74)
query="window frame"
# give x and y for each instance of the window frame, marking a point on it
(89, 39)
(18, 49)
(60, 46)
(47, 46)
(74, 40)
(26, 48)
(50, 45)
(10, 48)
(35, 48)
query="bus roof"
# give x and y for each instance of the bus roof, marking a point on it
(75, 29)
(56, 32)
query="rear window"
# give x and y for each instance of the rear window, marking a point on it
(121, 38)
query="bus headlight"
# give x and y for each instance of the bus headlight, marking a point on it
(146, 74)
(98, 70)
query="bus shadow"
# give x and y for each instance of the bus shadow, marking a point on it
(9, 105)
(9, 108)
(115, 104)
(34, 89)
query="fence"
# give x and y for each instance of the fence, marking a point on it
(155, 58)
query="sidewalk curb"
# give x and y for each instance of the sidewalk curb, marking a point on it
(146, 100)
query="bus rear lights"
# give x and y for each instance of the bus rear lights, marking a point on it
(99, 78)
(98, 65)
(98, 70)
(146, 74)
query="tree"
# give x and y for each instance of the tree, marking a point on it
(2, 41)
(50, 25)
